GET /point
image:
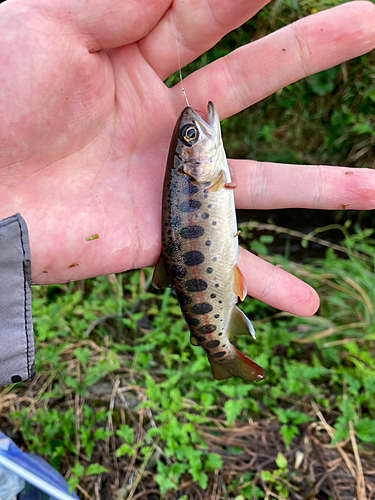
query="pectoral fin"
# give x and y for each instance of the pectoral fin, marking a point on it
(218, 184)
(160, 278)
(232, 183)
(241, 366)
(239, 284)
(239, 324)
(194, 341)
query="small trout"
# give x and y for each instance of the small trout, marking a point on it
(200, 244)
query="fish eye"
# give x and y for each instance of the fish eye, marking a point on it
(189, 134)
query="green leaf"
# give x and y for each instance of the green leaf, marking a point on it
(95, 469)
(126, 433)
(213, 461)
(232, 409)
(288, 432)
(323, 83)
(365, 429)
(82, 354)
(281, 461)
(78, 469)
(125, 449)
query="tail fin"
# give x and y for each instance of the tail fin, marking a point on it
(240, 366)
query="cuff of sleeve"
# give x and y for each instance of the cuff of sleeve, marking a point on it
(16, 328)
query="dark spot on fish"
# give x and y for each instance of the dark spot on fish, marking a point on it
(178, 272)
(205, 215)
(217, 316)
(198, 162)
(202, 308)
(190, 189)
(207, 183)
(190, 232)
(209, 270)
(192, 321)
(209, 206)
(213, 296)
(170, 231)
(166, 224)
(206, 329)
(216, 285)
(218, 355)
(212, 344)
(190, 205)
(214, 259)
(208, 243)
(173, 248)
(205, 191)
(220, 334)
(200, 339)
(214, 223)
(220, 301)
(175, 222)
(205, 196)
(193, 258)
(195, 285)
(184, 300)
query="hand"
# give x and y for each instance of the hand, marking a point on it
(86, 123)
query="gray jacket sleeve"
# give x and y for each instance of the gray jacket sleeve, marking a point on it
(16, 328)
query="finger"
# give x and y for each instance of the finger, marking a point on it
(104, 24)
(274, 185)
(195, 29)
(276, 287)
(307, 46)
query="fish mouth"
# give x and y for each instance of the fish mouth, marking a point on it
(211, 124)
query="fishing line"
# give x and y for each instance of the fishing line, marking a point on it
(179, 62)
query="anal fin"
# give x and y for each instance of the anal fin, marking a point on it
(241, 366)
(239, 324)
(239, 284)
(160, 277)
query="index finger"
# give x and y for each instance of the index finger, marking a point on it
(254, 71)
(194, 27)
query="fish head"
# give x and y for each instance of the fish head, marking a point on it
(200, 146)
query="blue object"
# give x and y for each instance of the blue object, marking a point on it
(43, 482)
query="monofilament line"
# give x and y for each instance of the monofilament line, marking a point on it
(179, 65)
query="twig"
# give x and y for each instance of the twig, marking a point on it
(331, 434)
(361, 487)
(84, 493)
(142, 469)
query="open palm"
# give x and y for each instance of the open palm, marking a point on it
(86, 122)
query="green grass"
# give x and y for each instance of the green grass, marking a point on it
(122, 403)
(118, 381)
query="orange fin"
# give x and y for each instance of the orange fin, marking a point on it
(160, 277)
(219, 183)
(241, 366)
(232, 184)
(239, 324)
(239, 284)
